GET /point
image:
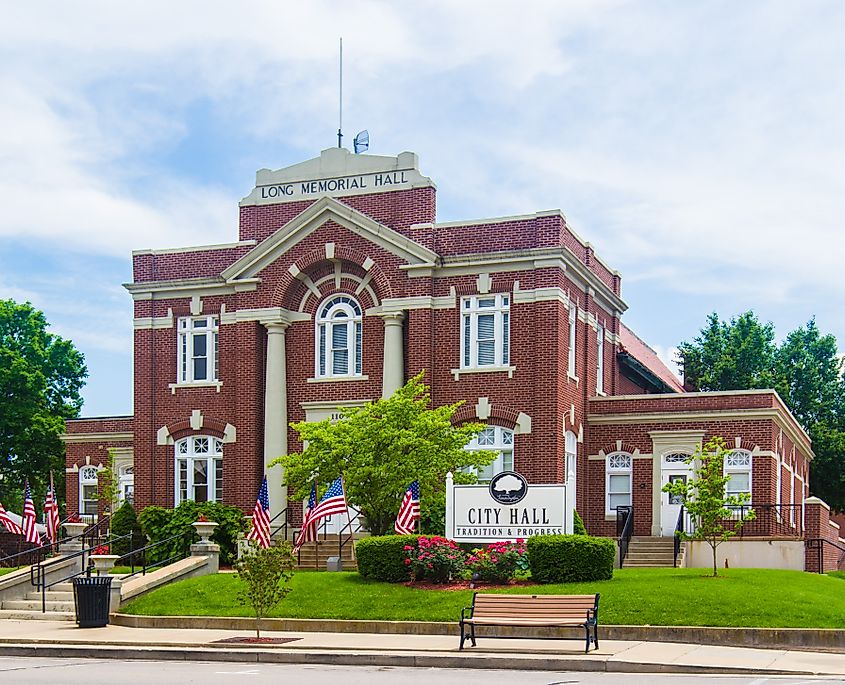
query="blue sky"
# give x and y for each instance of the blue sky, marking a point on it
(698, 146)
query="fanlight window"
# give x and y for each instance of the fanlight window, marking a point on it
(498, 439)
(88, 486)
(738, 465)
(339, 343)
(199, 469)
(676, 458)
(618, 481)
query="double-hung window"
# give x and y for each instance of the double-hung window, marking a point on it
(88, 490)
(498, 439)
(738, 468)
(573, 318)
(199, 469)
(600, 360)
(618, 483)
(338, 338)
(198, 345)
(485, 331)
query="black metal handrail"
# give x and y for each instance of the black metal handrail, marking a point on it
(97, 533)
(817, 545)
(141, 553)
(41, 552)
(624, 530)
(679, 533)
(282, 526)
(341, 543)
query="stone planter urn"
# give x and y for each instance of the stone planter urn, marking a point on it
(103, 563)
(204, 529)
(74, 529)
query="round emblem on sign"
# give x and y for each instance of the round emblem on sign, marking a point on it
(508, 487)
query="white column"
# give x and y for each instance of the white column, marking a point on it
(569, 504)
(393, 376)
(275, 415)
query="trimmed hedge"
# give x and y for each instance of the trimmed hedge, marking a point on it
(383, 557)
(570, 558)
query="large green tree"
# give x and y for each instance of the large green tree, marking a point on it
(41, 376)
(805, 369)
(382, 447)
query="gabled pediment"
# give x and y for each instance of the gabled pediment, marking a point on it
(323, 210)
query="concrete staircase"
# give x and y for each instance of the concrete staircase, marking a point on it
(315, 555)
(59, 605)
(652, 552)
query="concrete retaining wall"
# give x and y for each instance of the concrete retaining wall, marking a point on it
(786, 554)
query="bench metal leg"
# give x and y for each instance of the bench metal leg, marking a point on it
(596, 635)
(472, 635)
(587, 646)
(463, 635)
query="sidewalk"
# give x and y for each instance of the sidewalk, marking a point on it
(58, 639)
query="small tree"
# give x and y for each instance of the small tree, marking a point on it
(264, 574)
(380, 448)
(715, 513)
(109, 488)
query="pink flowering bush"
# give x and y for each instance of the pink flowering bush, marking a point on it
(434, 558)
(499, 562)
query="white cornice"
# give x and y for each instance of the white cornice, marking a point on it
(97, 437)
(198, 248)
(264, 316)
(188, 287)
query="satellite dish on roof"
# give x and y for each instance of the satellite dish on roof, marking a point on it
(362, 141)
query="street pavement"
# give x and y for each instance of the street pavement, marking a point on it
(65, 639)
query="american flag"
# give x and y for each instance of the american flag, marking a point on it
(30, 534)
(261, 517)
(333, 502)
(409, 510)
(10, 525)
(308, 533)
(51, 513)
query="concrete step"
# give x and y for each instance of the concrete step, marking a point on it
(18, 615)
(51, 595)
(35, 605)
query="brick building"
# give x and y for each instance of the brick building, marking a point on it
(342, 284)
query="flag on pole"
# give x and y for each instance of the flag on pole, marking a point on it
(7, 522)
(51, 513)
(308, 533)
(261, 517)
(30, 534)
(409, 510)
(333, 502)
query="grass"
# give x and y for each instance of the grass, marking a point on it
(738, 597)
(837, 574)
(4, 571)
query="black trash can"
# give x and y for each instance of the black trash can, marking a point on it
(91, 598)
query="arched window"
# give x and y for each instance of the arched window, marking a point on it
(199, 469)
(338, 336)
(618, 480)
(738, 467)
(494, 438)
(88, 497)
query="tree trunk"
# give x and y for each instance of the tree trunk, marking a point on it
(715, 569)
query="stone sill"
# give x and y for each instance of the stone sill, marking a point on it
(203, 384)
(457, 373)
(337, 379)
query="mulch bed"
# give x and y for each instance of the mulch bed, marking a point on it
(466, 585)
(257, 640)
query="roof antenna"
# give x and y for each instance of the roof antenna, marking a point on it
(340, 116)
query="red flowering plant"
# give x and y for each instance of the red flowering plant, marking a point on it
(202, 518)
(435, 558)
(101, 549)
(73, 518)
(499, 562)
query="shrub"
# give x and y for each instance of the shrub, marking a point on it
(499, 562)
(125, 522)
(570, 558)
(436, 559)
(160, 524)
(383, 557)
(578, 524)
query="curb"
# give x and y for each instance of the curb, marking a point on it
(409, 659)
(801, 639)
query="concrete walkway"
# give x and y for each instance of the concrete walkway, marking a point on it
(57, 639)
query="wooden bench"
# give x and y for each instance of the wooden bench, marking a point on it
(532, 611)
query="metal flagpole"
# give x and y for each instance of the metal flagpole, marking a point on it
(348, 519)
(340, 98)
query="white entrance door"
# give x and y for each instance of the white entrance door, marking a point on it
(670, 506)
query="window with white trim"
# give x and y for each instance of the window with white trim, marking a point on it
(88, 490)
(493, 438)
(485, 331)
(618, 468)
(197, 353)
(199, 469)
(573, 317)
(338, 338)
(600, 360)
(738, 467)
(571, 455)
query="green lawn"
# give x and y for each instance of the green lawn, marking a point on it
(837, 574)
(738, 597)
(4, 571)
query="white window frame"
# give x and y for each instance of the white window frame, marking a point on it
(471, 309)
(600, 361)
(498, 439)
(730, 468)
(338, 311)
(126, 483)
(189, 330)
(571, 462)
(88, 476)
(618, 464)
(573, 319)
(189, 451)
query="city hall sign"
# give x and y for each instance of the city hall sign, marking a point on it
(505, 509)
